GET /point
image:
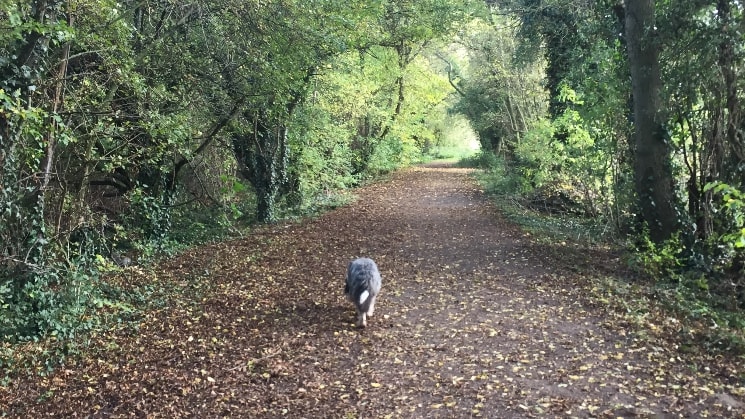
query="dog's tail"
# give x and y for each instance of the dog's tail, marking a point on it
(364, 299)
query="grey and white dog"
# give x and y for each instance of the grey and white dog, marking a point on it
(362, 286)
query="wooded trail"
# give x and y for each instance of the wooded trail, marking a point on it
(476, 319)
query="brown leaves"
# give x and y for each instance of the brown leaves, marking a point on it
(474, 319)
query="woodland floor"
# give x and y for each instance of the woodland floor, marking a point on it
(476, 319)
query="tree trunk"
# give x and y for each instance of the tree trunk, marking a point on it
(404, 53)
(652, 169)
(262, 156)
(727, 67)
(57, 103)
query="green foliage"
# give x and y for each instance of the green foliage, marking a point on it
(574, 161)
(53, 299)
(719, 259)
(538, 158)
(496, 177)
(733, 206)
(502, 98)
(483, 160)
(453, 138)
(322, 162)
(660, 262)
(390, 154)
(147, 225)
(37, 290)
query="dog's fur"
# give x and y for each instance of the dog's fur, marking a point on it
(362, 287)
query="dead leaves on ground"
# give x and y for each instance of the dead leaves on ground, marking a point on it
(474, 320)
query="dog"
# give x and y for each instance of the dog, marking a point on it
(362, 287)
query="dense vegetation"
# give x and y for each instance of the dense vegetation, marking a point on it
(640, 128)
(608, 70)
(131, 128)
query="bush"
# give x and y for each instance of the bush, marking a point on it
(486, 160)
(496, 176)
(658, 261)
(52, 299)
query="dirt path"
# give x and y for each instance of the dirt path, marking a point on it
(475, 319)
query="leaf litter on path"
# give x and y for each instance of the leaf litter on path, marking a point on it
(476, 319)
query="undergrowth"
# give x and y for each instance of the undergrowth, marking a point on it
(124, 296)
(653, 278)
(105, 297)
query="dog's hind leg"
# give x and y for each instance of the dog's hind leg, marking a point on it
(361, 319)
(371, 310)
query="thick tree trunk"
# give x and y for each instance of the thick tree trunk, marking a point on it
(727, 67)
(652, 169)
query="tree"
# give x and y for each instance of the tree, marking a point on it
(501, 96)
(652, 170)
(268, 72)
(407, 28)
